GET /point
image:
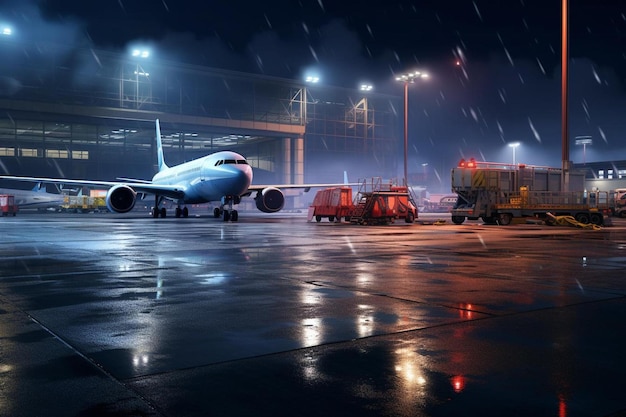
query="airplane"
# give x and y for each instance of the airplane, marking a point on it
(223, 176)
(37, 198)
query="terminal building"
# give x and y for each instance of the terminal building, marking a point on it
(92, 115)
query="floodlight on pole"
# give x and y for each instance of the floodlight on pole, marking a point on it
(514, 145)
(407, 79)
(312, 79)
(584, 140)
(140, 53)
(366, 87)
(6, 31)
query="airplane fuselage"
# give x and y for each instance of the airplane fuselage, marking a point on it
(209, 178)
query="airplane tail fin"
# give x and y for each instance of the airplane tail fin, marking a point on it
(160, 161)
(345, 177)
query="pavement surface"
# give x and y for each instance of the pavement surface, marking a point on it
(126, 315)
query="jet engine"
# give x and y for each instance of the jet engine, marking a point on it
(121, 198)
(269, 200)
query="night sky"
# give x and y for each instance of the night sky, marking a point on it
(506, 88)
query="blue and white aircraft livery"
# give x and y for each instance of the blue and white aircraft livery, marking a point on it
(223, 176)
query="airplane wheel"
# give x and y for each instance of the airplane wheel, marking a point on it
(185, 212)
(216, 212)
(163, 212)
(155, 212)
(234, 216)
(226, 215)
(178, 212)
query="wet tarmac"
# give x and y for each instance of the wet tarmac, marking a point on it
(126, 315)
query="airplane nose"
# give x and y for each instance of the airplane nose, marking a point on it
(237, 181)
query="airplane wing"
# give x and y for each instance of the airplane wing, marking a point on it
(170, 191)
(305, 187)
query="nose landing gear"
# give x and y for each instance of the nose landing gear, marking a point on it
(228, 213)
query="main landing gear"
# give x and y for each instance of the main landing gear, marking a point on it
(161, 212)
(184, 212)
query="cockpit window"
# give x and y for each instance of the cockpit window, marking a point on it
(231, 161)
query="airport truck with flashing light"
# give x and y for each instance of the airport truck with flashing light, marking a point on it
(499, 193)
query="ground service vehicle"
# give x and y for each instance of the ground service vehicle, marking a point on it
(619, 202)
(83, 204)
(334, 203)
(375, 203)
(498, 193)
(7, 205)
(381, 203)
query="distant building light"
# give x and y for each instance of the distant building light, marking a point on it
(366, 87)
(312, 79)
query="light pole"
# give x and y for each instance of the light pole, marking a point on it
(565, 95)
(514, 145)
(408, 79)
(309, 79)
(584, 140)
(139, 54)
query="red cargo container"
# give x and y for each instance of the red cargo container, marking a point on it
(7, 205)
(334, 203)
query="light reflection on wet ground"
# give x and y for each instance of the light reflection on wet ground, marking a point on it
(276, 316)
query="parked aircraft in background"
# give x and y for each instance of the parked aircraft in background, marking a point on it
(37, 198)
(223, 176)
